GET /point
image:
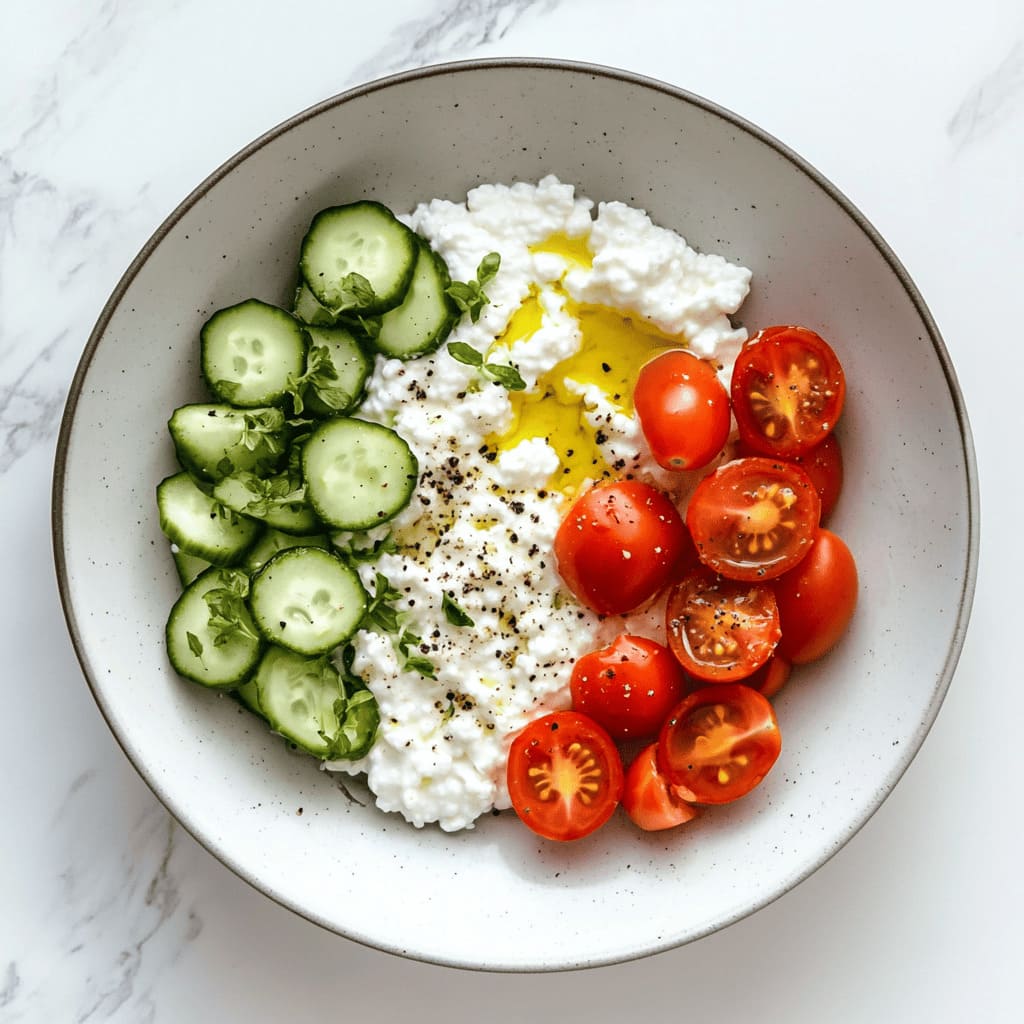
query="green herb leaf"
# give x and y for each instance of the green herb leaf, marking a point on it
(424, 666)
(225, 467)
(380, 615)
(453, 613)
(229, 615)
(463, 353)
(488, 268)
(469, 296)
(507, 376)
(195, 645)
(355, 556)
(354, 292)
(263, 428)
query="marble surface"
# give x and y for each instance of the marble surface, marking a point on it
(111, 113)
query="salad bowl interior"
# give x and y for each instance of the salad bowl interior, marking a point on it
(850, 724)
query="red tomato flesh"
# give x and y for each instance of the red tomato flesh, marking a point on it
(721, 630)
(650, 801)
(823, 464)
(719, 743)
(683, 410)
(619, 545)
(753, 519)
(564, 775)
(788, 390)
(817, 599)
(628, 687)
(771, 676)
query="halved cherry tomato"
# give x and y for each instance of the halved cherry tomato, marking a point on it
(771, 676)
(719, 743)
(788, 390)
(619, 545)
(683, 410)
(721, 630)
(628, 687)
(823, 464)
(753, 519)
(564, 775)
(649, 800)
(817, 599)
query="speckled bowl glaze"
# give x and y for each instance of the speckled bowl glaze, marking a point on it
(498, 897)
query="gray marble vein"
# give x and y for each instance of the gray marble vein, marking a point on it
(453, 31)
(992, 102)
(119, 882)
(10, 985)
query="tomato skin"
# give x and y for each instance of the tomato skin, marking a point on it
(719, 743)
(753, 519)
(788, 389)
(721, 630)
(817, 599)
(771, 676)
(683, 410)
(570, 750)
(823, 464)
(619, 545)
(628, 687)
(650, 801)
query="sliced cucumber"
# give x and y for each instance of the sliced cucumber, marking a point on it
(250, 351)
(305, 701)
(273, 501)
(188, 566)
(211, 638)
(201, 526)
(337, 369)
(358, 258)
(425, 317)
(248, 696)
(308, 310)
(271, 541)
(308, 600)
(357, 474)
(214, 440)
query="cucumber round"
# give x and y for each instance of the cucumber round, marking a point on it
(358, 474)
(249, 352)
(202, 526)
(340, 352)
(358, 258)
(209, 654)
(307, 600)
(425, 318)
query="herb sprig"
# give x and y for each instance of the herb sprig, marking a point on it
(505, 374)
(382, 617)
(229, 617)
(470, 296)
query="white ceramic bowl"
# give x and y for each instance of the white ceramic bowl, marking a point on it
(498, 897)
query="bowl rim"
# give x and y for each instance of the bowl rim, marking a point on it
(966, 597)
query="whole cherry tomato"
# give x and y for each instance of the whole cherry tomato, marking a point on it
(619, 545)
(628, 687)
(817, 599)
(683, 410)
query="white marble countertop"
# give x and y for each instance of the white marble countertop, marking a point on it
(112, 111)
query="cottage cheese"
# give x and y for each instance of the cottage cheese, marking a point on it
(482, 523)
